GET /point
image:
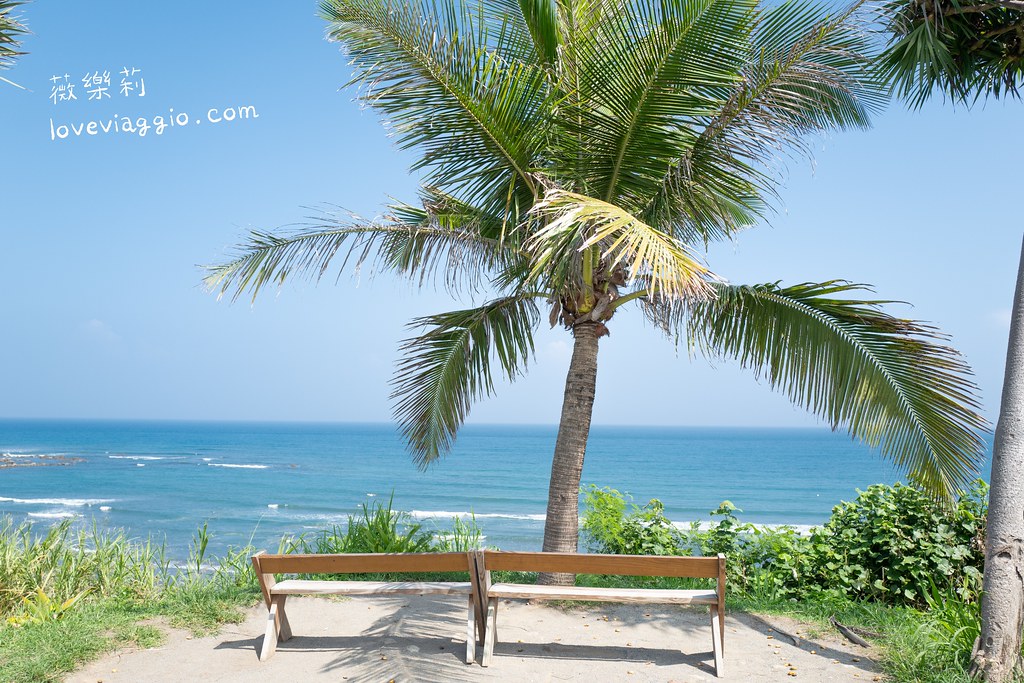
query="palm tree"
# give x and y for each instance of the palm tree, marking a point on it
(577, 156)
(968, 51)
(965, 49)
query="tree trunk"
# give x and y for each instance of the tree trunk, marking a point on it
(561, 526)
(997, 653)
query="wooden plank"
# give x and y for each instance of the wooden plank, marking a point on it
(721, 601)
(266, 580)
(365, 563)
(623, 565)
(480, 579)
(471, 631)
(304, 587)
(716, 644)
(270, 636)
(492, 632)
(630, 595)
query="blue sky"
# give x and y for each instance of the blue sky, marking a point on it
(101, 307)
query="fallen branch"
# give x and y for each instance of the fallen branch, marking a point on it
(848, 634)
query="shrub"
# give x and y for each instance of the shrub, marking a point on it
(609, 528)
(380, 529)
(893, 542)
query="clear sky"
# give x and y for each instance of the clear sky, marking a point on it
(101, 310)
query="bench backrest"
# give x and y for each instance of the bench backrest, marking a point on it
(358, 563)
(623, 565)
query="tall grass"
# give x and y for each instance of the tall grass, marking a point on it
(63, 562)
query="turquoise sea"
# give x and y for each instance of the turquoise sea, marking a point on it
(265, 480)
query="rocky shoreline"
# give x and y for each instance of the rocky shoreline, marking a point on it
(8, 461)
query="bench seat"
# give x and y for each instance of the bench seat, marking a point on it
(307, 587)
(633, 595)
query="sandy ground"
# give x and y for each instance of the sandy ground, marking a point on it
(403, 639)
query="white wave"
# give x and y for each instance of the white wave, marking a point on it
(32, 455)
(207, 459)
(104, 508)
(140, 464)
(52, 515)
(241, 467)
(445, 514)
(273, 506)
(69, 502)
(371, 495)
(135, 457)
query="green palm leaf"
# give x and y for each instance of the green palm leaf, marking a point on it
(448, 367)
(884, 379)
(964, 49)
(476, 116)
(416, 248)
(11, 31)
(647, 80)
(802, 74)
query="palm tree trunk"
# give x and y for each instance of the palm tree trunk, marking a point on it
(997, 653)
(561, 527)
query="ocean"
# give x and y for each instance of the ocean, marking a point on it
(256, 482)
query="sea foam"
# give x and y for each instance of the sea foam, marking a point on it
(240, 467)
(445, 514)
(70, 502)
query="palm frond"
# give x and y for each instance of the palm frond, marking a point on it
(11, 31)
(890, 382)
(963, 49)
(448, 367)
(805, 72)
(476, 116)
(573, 223)
(650, 70)
(415, 249)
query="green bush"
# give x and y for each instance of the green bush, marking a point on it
(893, 543)
(609, 528)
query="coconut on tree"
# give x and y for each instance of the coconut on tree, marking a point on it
(578, 157)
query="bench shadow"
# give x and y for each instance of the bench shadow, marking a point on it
(702, 661)
(416, 638)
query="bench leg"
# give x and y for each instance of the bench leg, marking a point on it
(492, 631)
(716, 642)
(273, 629)
(721, 624)
(471, 632)
(284, 629)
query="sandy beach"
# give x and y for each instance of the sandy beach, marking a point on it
(421, 639)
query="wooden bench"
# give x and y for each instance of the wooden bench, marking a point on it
(276, 592)
(623, 565)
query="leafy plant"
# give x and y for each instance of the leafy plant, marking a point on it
(642, 531)
(379, 529)
(893, 542)
(463, 536)
(39, 608)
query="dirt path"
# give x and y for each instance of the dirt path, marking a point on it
(421, 639)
